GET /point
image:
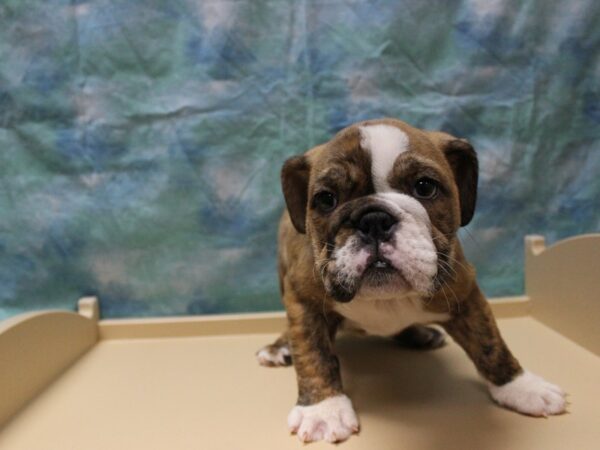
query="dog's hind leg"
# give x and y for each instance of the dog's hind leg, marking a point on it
(276, 354)
(420, 337)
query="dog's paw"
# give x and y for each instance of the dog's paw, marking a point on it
(332, 419)
(530, 394)
(274, 356)
(420, 337)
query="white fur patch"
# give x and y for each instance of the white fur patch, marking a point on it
(387, 316)
(385, 143)
(332, 419)
(403, 204)
(530, 394)
(412, 250)
(350, 263)
(266, 356)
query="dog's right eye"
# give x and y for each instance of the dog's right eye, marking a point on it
(325, 201)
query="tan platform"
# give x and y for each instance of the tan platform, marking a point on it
(70, 382)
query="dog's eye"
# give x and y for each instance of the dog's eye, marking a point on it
(425, 188)
(325, 201)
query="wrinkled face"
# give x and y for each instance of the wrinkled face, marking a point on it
(382, 207)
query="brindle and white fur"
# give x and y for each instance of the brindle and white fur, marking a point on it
(386, 261)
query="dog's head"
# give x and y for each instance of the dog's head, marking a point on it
(381, 203)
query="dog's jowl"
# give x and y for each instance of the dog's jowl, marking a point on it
(369, 242)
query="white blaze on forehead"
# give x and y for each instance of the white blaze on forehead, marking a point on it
(385, 143)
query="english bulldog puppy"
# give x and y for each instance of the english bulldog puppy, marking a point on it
(369, 242)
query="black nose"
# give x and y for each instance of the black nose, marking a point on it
(376, 225)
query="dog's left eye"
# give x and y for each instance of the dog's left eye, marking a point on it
(425, 188)
(325, 201)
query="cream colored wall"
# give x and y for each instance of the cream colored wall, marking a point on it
(563, 284)
(35, 348)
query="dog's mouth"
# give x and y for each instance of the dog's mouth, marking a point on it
(379, 270)
(380, 264)
(377, 267)
(382, 273)
(377, 276)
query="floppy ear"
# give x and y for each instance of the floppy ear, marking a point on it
(463, 160)
(294, 183)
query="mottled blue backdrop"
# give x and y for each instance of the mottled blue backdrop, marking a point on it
(141, 141)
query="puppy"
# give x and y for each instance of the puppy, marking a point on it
(369, 242)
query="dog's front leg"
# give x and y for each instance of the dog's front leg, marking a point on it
(323, 411)
(474, 329)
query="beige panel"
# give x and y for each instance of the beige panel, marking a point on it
(89, 307)
(507, 307)
(223, 324)
(244, 323)
(34, 349)
(208, 393)
(563, 283)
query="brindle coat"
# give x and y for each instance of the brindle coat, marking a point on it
(304, 234)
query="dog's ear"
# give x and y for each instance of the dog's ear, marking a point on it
(462, 158)
(294, 183)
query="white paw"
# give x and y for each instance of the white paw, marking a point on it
(530, 394)
(332, 419)
(272, 356)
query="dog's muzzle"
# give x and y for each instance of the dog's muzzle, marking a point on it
(390, 247)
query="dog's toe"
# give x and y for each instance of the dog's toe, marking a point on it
(332, 420)
(274, 356)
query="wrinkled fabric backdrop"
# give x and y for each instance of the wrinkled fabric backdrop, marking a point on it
(141, 141)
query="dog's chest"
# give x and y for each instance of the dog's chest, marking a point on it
(386, 317)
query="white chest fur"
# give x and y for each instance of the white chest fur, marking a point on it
(388, 316)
